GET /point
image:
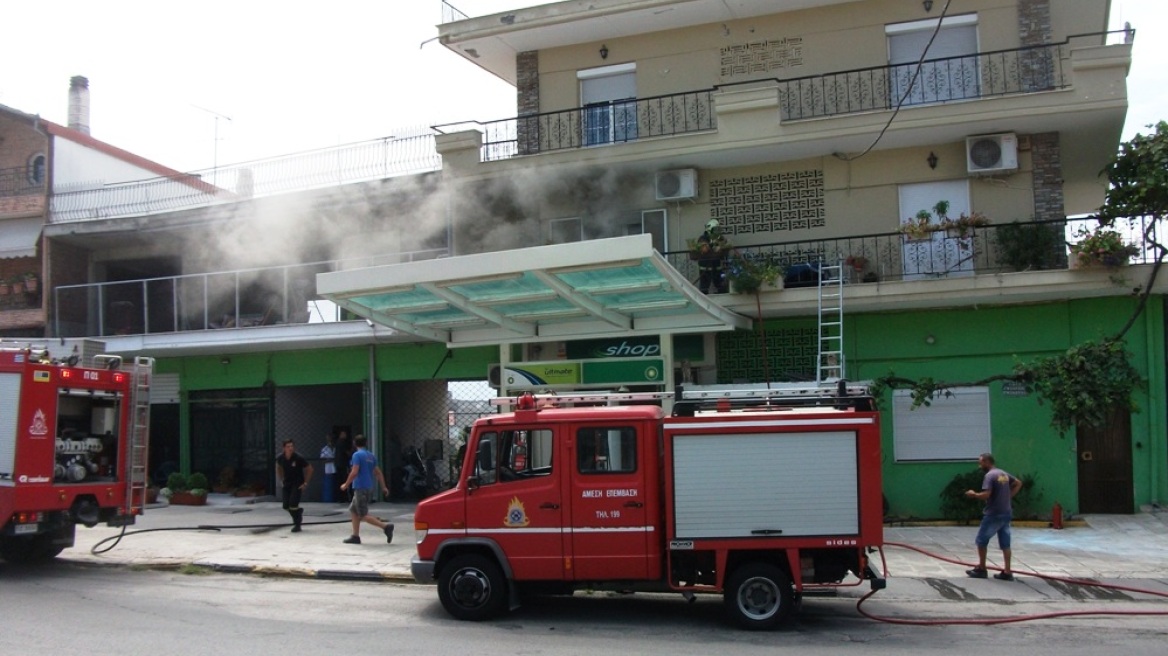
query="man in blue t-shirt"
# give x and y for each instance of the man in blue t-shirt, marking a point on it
(363, 470)
(997, 490)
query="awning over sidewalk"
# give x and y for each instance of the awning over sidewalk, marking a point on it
(598, 288)
(19, 237)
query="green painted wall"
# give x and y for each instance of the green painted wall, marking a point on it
(970, 344)
(394, 362)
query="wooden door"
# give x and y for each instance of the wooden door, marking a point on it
(1105, 466)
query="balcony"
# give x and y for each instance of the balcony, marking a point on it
(599, 124)
(892, 257)
(993, 74)
(957, 266)
(222, 300)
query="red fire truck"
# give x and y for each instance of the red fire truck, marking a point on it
(73, 438)
(754, 494)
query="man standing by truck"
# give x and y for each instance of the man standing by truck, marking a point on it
(362, 471)
(997, 491)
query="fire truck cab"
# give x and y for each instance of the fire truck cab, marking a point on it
(73, 439)
(755, 495)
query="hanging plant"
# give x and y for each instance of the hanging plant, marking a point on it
(1085, 384)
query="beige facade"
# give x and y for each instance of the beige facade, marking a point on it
(848, 159)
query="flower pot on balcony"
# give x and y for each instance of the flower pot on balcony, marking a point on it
(31, 284)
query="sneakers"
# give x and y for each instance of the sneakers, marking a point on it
(1004, 576)
(389, 532)
(352, 539)
(295, 528)
(976, 573)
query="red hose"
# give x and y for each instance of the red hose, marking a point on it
(1013, 618)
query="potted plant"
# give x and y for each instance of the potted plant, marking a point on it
(31, 282)
(1031, 246)
(919, 227)
(749, 272)
(962, 227)
(1103, 247)
(186, 491)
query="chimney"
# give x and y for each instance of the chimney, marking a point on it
(79, 103)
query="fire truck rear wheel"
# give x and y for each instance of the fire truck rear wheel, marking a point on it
(472, 587)
(759, 596)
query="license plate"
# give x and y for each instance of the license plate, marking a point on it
(24, 529)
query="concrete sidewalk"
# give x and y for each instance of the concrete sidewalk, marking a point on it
(1107, 547)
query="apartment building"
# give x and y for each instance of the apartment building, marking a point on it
(812, 131)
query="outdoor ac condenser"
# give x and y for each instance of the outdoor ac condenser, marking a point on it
(990, 154)
(679, 184)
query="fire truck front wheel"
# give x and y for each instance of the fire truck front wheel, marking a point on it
(472, 587)
(759, 596)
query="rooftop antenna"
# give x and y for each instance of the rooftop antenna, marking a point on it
(215, 154)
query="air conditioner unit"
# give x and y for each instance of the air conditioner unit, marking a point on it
(680, 184)
(988, 154)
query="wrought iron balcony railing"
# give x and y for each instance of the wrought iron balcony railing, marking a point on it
(598, 124)
(982, 75)
(206, 301)
(894, 256)
(1014, 71)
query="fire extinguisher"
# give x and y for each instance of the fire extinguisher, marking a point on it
(1056, 516)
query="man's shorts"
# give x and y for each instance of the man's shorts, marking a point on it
(991, 524)
(359, 506)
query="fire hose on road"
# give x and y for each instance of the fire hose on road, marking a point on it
(1011, 618)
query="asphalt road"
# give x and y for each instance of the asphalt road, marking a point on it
(64, 609)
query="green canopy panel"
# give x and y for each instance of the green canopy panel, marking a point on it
(582, 290)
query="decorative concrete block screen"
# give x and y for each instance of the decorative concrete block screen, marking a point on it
(747, 59)
(777, 202)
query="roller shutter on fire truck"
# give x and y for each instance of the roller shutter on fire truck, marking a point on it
(765, 484)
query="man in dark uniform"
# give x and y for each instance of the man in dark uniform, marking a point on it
(712, 251)
(293, 472)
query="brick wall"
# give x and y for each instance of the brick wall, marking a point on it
(18, 142)
(68, 265)
(527, 100)
(1046, 156)
(1034, 22)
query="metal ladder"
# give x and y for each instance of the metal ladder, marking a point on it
(829, 365)
(137, 458)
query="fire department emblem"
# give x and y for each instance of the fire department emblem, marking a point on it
(39, 427)
(516, 514)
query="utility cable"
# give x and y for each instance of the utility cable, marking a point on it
(1014, 618)
(909, 88)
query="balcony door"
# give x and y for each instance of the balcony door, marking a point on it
(937, 254)
(951, 69)
(608, 96)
